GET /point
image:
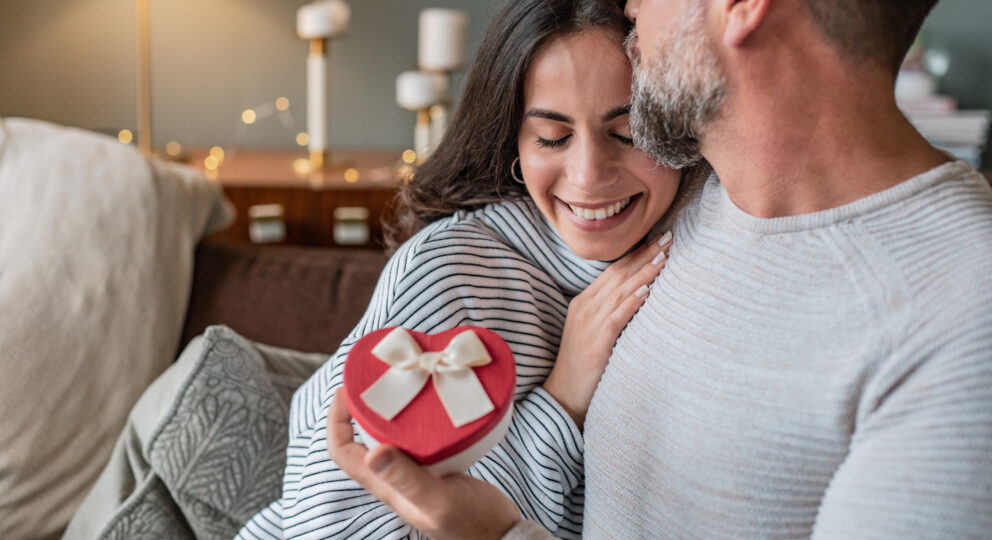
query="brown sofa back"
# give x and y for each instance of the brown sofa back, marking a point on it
(306, 299)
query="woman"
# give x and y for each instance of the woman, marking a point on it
(535, 184)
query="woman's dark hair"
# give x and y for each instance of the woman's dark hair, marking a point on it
(471, 165)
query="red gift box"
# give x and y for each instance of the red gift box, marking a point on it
(448, 423)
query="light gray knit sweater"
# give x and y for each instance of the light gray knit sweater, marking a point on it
(824, 375)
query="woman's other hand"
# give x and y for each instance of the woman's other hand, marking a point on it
(594, 322)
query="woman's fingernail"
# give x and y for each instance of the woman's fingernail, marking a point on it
(641, 291)
(658, 259)
(665, 238)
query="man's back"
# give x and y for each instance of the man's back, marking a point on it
(822, 374)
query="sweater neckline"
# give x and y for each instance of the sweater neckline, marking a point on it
(716, 194)
(543, 246)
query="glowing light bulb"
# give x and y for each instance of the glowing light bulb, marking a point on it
(301, 166)
(211, 163)
(409, 156)
(351, 175)
(125, 136)
(173, 148)
(248, 116)
(302, 138)
(218, 153)
(282, 104)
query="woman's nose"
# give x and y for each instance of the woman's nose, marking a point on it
(593, 166)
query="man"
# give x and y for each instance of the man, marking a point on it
(816, 359)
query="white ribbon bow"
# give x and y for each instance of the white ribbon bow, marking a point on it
(460, 391)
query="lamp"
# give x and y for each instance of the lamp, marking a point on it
(440, 50)
(418, 91)
(319, 22)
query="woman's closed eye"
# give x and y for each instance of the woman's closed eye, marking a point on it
(622, 138)
(552, 143)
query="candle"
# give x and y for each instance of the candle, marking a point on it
(324, 19)
(318, 22)
(441, 44)
(417, 90)
(316, 98)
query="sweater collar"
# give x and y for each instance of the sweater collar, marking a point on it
(524, 227)
(716, 203)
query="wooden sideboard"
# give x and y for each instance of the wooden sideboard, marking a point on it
(358, 179)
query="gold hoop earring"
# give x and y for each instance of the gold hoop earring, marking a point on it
(513, 171)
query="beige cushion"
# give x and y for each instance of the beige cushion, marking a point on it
(96, 247)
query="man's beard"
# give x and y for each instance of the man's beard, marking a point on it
(676, 94)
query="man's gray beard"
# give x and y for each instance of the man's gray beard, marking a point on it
(677, 94)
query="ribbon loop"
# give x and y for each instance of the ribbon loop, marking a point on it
(460, 391)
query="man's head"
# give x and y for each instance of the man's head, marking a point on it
(683, 71)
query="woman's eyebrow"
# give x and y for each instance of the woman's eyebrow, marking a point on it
(616, 111)
(550, 115)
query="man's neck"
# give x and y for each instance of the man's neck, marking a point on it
(808, 149)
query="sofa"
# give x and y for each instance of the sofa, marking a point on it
(299, 298)
(105, 278)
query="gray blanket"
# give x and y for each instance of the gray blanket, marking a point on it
(204, 448)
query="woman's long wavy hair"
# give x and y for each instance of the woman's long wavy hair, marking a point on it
(471, 165)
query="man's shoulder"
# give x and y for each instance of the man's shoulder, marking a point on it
(948, 224)
(941, 239)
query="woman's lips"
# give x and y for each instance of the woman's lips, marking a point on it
(612, 213)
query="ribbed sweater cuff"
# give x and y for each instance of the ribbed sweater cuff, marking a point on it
(542, 408)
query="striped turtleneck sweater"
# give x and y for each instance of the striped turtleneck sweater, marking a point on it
(826, 375)
(501, 267)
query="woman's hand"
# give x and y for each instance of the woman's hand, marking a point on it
(450, 507)
(594, 322)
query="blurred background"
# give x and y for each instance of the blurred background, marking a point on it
(73, 62)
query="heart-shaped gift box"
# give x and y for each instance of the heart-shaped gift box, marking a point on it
(461, 386)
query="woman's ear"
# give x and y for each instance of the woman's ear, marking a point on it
(741, 18)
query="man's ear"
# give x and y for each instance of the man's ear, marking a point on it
(741, 18)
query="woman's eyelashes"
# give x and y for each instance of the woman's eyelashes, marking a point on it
(625, 140)
(552, 143)
(558, 143)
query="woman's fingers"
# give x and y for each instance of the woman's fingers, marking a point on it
(626, 275)
(620, 271)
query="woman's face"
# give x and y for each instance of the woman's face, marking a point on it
(600, 193)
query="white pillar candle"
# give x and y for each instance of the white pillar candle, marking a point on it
(441, 45)
(324, 19)
(319, 22)
(422, 136)
(316, 99)
(417, 90)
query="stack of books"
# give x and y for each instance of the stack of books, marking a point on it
(962, 133)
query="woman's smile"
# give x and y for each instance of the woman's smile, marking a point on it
(592, 218)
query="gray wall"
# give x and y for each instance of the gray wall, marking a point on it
(71, 61)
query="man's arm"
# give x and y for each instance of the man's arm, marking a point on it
(920, 462)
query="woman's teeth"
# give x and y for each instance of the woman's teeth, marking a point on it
(600, 213)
